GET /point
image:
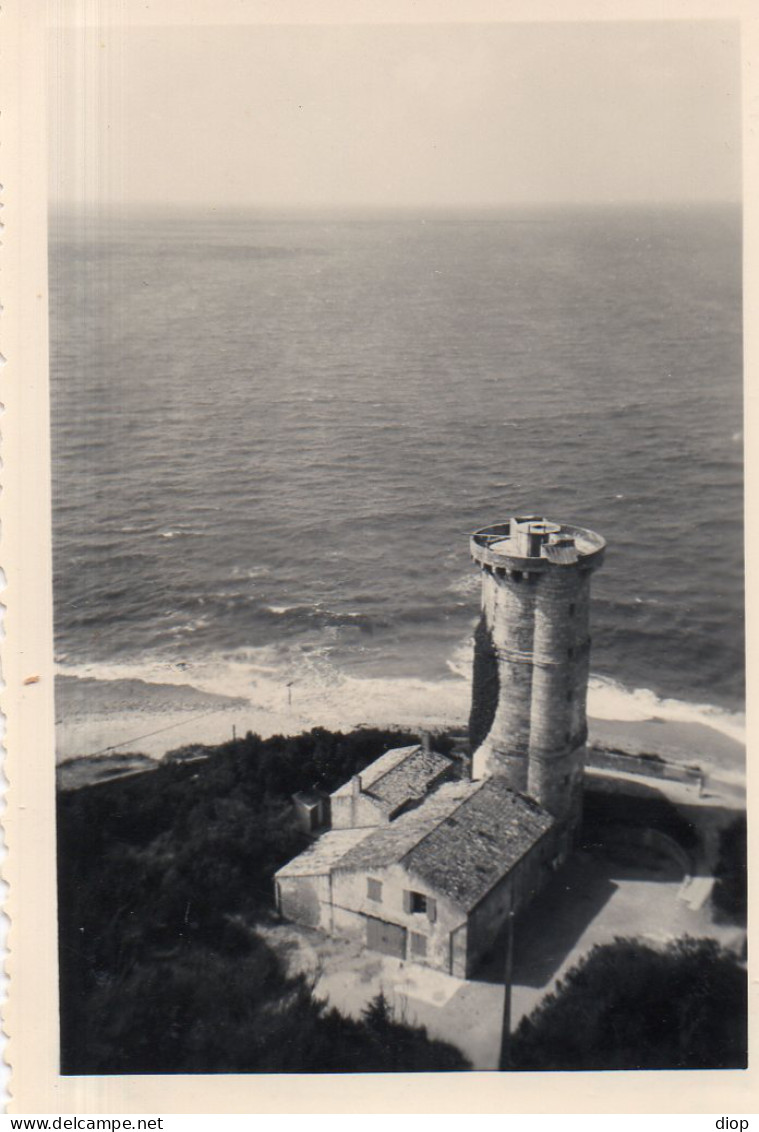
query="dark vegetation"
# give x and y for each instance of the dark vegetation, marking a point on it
(162, 877)
(631, 1006)
(730, 895)
(485, 684)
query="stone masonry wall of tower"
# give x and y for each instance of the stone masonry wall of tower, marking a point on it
(535, 630)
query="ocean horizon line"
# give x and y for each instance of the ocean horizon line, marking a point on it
(236, 209)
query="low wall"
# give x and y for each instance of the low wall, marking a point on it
(632, 838)
(648, 766)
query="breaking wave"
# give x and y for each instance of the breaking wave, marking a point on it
(608, 699)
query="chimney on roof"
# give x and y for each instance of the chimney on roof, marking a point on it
(426, 741)
(356, 785)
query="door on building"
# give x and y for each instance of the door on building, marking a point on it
(390, 939)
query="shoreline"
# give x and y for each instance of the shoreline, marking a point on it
(103, 721)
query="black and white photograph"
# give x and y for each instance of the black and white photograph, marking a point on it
(396, 419)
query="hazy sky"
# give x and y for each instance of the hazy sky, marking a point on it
(403, 115)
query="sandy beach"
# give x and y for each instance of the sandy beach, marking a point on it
(110, 717)
(95, 717)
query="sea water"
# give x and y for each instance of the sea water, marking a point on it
(273, 433)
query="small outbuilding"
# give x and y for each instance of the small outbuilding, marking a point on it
(312, 810)
(394, 783)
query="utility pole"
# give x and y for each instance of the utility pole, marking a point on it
(508, 972)
(290, 693)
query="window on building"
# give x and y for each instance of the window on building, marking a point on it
(374, 889)
(572, 609)
(570, 695)
(419, 904)
(570, 652)
(418, 945)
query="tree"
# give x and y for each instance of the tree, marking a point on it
(629, 1005)
(730, 893)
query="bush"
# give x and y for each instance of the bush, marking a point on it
(730, 894)
(632, 1006)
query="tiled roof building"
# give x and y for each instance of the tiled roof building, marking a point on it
(436, 883)
(397, 781)
(483, 838)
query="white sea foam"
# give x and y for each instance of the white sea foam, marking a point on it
(609, 700)
(468, 583)
(289, 688)
(188, 627)
(460, 662)
(182, 532)
(286, 693)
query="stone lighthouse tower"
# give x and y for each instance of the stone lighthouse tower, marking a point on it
(531, 661)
